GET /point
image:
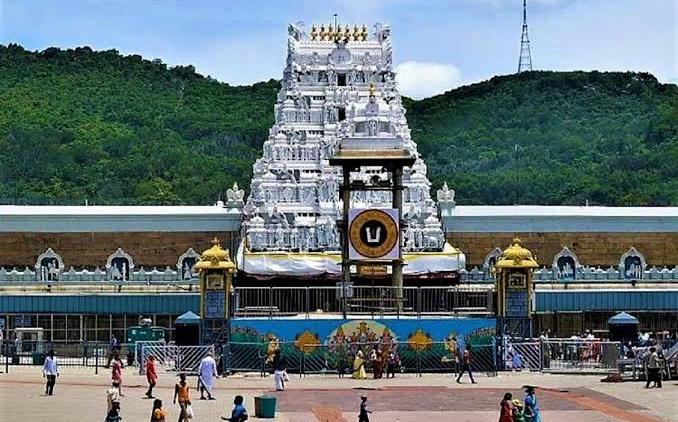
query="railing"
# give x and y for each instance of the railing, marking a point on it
(561, 355)
(362, 300)
(88, 354)
(413, 356)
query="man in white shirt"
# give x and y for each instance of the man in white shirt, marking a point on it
(206, 376)
(50, 370)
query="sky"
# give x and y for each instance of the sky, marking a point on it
(437, 44)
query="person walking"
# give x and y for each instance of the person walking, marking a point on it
(279, 370)
(239, 413)
(116, 371)
(112, 395)
(506, 410)
(151, 375)
(466, 361)
(532, 413)
(50, 370)
(181, 392)
(158, 413)
(206, 375)
(363, 416)
(113, 348)
(653, 369)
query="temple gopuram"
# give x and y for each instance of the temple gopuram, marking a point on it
(338, 83)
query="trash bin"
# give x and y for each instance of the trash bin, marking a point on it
(264, 406)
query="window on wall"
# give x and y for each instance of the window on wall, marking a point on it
(118, 324)
(73, 328)
(89, 327)
(59, 328)
(45, 322)
(103, 328)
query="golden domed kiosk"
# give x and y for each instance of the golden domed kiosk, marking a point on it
(515, 290)
(216, 271)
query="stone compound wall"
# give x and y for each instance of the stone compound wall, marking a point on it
(592, 249)
(89, 250)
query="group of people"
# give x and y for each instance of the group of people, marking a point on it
(514, 410)
(379, 360)
(207, 373)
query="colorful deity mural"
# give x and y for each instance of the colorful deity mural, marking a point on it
(330, 344)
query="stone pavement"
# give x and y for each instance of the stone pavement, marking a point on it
(80, 396)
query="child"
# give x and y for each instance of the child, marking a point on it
(158, 413)
(114, 414)
(112, 395)
(391, 365)
(518, 414)
(364, 412)
(239, 413)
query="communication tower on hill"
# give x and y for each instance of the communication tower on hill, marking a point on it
(525, 59)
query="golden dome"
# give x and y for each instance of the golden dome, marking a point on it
(215, 257)
(516, 256)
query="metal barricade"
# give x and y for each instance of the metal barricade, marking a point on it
(566, 355)
(177, 358)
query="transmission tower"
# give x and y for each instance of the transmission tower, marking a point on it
(525, 60)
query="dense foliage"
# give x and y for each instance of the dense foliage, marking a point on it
(80, 125)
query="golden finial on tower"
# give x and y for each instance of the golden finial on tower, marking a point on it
(356, 33)
(323, 33)
(364, 33)
(314, 33)
(330, 33)
(337, 34)
(349, 33)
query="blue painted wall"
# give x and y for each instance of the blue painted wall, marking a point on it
(437, 329)
(101, 303)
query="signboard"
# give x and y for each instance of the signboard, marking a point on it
(373, 270)
(215, 304)
(517, 303)
(373, 234)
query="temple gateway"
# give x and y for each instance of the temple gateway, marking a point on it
(337, 84)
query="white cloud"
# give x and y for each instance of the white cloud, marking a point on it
(424, 79)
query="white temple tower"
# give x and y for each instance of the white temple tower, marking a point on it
(338, 83)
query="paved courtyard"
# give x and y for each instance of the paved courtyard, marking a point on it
(80, 396)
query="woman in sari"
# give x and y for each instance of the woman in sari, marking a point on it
(359, 366)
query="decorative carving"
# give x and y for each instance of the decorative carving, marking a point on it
(566, 264)
(186, 262)
(491, 259)
(119, 265)
(49, 266)
(632, 264)
(235, 197)
(445, 194)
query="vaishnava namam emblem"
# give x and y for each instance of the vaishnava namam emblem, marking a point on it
(373, 233)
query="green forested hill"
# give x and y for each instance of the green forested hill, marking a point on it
(79, 124)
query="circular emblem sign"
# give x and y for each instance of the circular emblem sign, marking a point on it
(373, 233)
